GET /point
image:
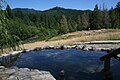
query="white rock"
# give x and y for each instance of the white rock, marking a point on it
(118, 55)
(5, 55)
(15, 52)
(2, 67)
(27, 74)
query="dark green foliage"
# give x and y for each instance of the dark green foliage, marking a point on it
(118, 5)
(63, 25)
(114, 18)
(79, 23)
(105, 19)
(118, 12)
(9, 13)
(85, 20)
(95, 21)
(6, 38)
(22, 30)
(46, 34)
(23, 24)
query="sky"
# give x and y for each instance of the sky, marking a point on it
(71, 4)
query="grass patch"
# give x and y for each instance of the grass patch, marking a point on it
(110, 34)
(79, 36)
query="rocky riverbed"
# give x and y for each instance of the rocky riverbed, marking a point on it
(15, 73)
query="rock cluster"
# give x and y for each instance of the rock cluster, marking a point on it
(88, 47)
(24, 74)
(20, 73)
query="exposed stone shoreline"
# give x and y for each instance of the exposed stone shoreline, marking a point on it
(29, 74)
(93, 45)
(24, 74)
(86, 46)
(20, 73)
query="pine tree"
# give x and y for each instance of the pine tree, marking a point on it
(95, 20)
(70, 25)
(79, 23)
(9, 12)
(64, 25)
(118, 5)
(105, 18)
(85, 20)
(118, 13)
(114, 18)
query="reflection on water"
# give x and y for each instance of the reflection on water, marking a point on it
(78, 65)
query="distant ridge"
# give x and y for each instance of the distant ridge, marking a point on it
(26, 10)
(54, 9)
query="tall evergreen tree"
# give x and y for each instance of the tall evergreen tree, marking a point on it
(118, 13)
(79, 23)
(85, 20)
(64, 25)
(95, 21)
(105, 18)
(114, 18)
(118, 5)
(9, 12)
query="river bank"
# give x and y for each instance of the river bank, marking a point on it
(106, 35)
(93, 45)
(85, 46)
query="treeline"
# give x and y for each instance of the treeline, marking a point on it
(18, 24)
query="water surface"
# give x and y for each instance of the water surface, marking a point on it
(77, 64)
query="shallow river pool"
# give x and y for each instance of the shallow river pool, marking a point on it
(77, 64)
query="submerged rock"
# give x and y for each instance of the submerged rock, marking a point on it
(25, 74)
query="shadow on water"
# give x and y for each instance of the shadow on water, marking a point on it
(78, 65)
(8, 61)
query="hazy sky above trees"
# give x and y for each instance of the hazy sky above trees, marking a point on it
(73, 4)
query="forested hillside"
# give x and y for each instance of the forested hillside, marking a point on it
(19, 24)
